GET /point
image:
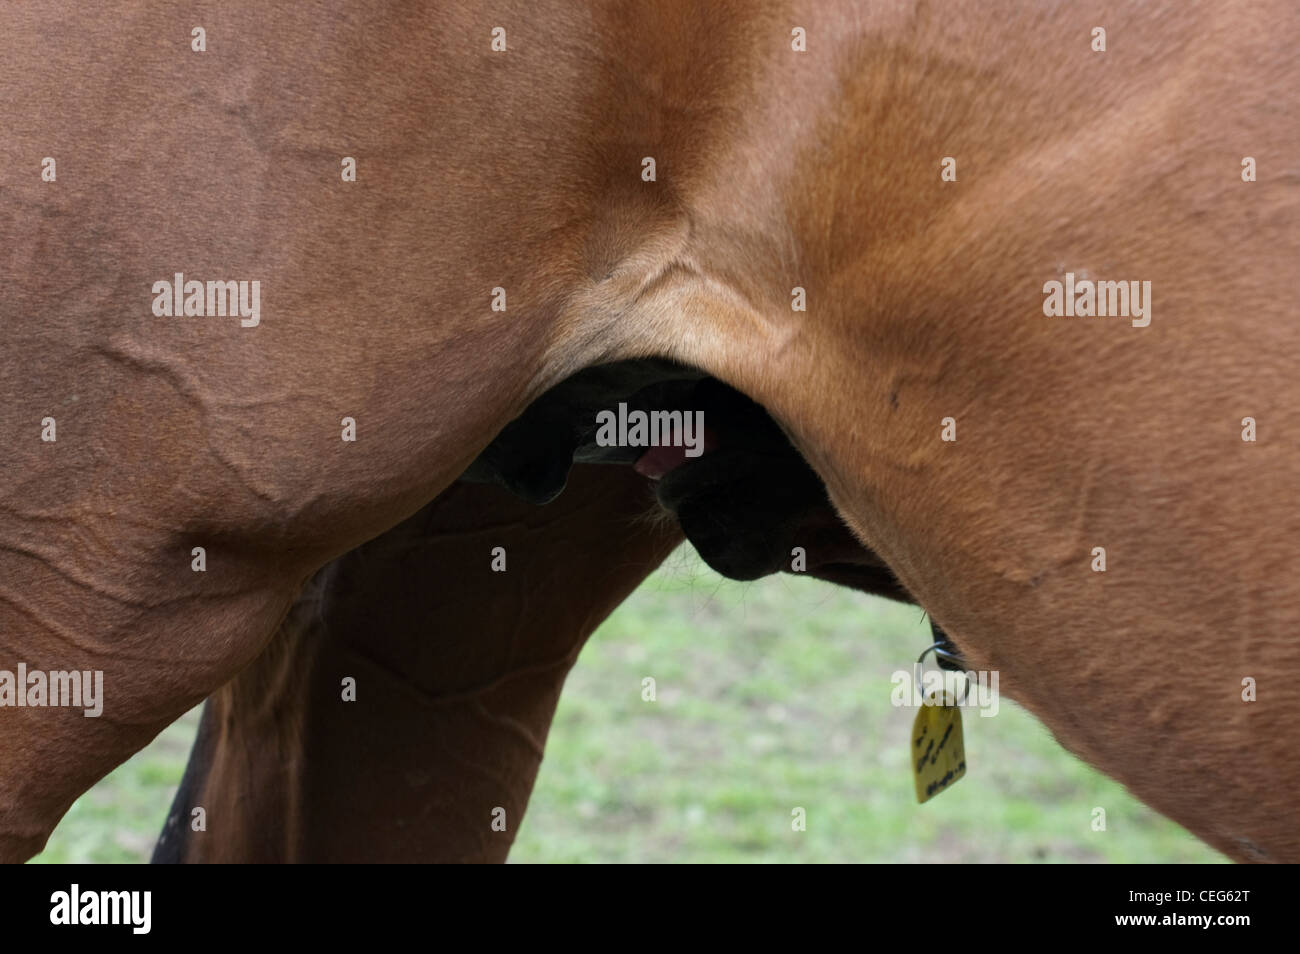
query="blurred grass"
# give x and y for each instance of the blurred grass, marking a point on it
(770, 695)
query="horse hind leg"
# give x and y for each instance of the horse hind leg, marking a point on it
(99, 655)
(458, 668)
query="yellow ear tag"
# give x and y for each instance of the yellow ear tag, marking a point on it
(938, 752)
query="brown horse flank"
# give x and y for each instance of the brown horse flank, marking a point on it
(273, 277)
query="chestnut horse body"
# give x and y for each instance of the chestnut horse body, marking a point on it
(913, 174)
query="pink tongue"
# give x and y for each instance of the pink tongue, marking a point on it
(658, 461)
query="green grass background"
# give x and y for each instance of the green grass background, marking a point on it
(770, 695)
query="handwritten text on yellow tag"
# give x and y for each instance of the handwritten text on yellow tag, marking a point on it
(938, 751)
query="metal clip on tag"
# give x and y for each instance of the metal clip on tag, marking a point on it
(944, 651)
